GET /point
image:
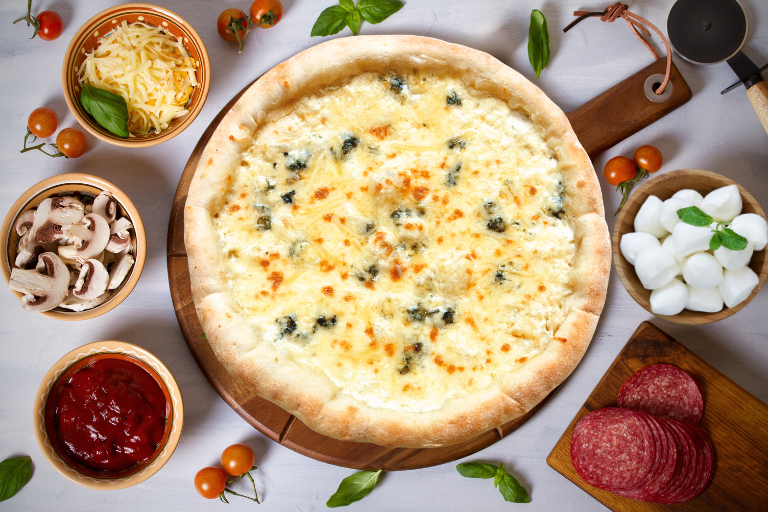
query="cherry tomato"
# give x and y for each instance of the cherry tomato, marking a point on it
(222, 24)
(71, 142)
(210, 482)
(648, 158)
(42, 122)
(50, 25)
(237, 459)
(618, 169)
(261, 8)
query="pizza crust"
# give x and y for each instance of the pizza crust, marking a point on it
(312, 397)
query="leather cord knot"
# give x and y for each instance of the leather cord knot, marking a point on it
(637, 24)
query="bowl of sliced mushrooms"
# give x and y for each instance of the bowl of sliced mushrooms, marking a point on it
(74, 247)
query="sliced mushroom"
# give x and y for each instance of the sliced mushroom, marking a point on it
(74, 303)
(43, 292)
(106, 206)
(119, 271)
(92, 281)
(43, 230)
(120, 227)
(90, 236)
(28, 252)
(66, 210)
(25, 221)
(117, 244)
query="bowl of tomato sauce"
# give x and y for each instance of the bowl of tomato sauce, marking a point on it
(108, 415)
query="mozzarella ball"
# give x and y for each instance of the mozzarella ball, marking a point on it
(669, 246)
(670, 299)
(733, 259)
(724, 203)
(668, 212)
(647, 218)
(690, 196)
(633, 243)
(655, 267)
(702, 271)
(690, 239)
(707, 301)
(753, 227)
(737, 285)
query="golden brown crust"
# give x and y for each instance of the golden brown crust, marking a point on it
(312, 397)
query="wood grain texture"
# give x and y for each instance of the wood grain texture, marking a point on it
(624, 110)
(735, 420)
(664, 187)
(758, 96)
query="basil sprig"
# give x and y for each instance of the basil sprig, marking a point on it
(538, 42)
(722, 235)
(333, 19)
(354, 488)
(508, 485)
(107, 108)
(14, 474)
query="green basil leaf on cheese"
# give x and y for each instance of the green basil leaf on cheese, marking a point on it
(695, 216)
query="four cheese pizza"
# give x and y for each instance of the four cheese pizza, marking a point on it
(398, 240)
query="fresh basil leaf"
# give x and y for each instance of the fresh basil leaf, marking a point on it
(353, 488)
(716, 241)
(14, 474)
(376, 11)
(538, 42)
(695, 216)
(732, 240)
(347, 5)
(107, 108)
(476, 470)
(499, 476)
(354, 20)
(512, 491)
(331, 21)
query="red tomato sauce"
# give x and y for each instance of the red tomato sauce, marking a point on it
(110, 415)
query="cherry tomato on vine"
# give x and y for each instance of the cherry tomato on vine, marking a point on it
(260, 13)
(619, 169)
(222, 24)
(51, 25)
(648, 158)
(43, 122)
(237, 459)
(210, 482)
(71, 142)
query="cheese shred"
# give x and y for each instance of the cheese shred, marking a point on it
(150, 69)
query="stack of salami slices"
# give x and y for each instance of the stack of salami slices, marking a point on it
(650, 448)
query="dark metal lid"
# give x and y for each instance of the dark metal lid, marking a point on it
(707, 31)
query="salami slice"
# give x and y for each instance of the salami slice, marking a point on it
(665, 391)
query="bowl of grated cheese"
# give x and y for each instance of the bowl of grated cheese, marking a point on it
(150, 57)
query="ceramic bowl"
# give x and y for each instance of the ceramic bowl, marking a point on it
(76, 183)
(60, 373)
(664, 187)
(87, 39)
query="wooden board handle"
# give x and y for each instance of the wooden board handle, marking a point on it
(758, 95)
(624, 109)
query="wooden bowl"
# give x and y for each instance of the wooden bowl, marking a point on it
(62, 370)
(664, 187)
(9, 239)
(87, 39)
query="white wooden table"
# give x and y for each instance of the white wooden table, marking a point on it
(714, 132)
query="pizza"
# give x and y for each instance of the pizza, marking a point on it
(398, 240)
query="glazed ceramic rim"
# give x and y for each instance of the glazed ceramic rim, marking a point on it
(38, 190)
(114, 347)
(68, 73)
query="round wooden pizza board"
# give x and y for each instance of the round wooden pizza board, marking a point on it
(266, 417)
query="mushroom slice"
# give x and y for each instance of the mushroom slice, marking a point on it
(120, 227)
(92, 235)
(106, 206)
(25, 221)
(74, 303)
(117, 244)
(66, 210)
(119, 271)
(92, 281)
(43, 292)
(28, 252)
(43, 230)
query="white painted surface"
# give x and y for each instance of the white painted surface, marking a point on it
(718, 133)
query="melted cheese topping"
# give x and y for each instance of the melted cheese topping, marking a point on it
(404, 235)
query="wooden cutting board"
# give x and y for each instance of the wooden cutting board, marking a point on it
(601, 123)
(735, 420)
